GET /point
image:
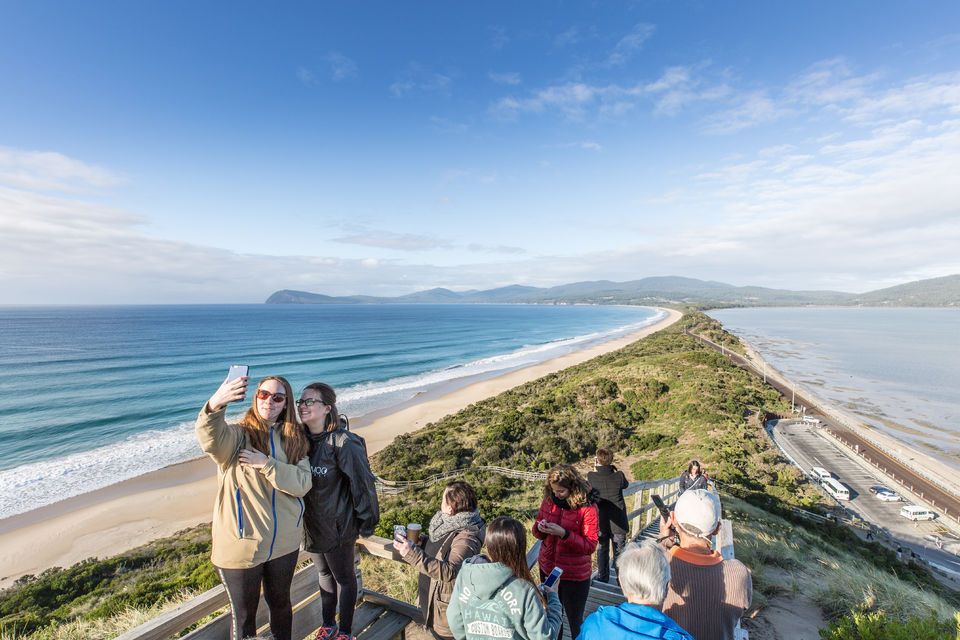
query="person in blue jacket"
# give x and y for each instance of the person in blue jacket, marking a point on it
(644, 574)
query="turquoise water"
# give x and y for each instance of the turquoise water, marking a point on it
(90, 396)
(897, 369)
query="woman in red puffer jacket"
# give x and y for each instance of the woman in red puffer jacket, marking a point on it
(568, 525)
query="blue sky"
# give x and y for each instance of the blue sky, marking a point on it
(216, 152)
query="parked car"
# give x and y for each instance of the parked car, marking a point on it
(811, 420)
(820, 473)
(879, 488)
(889, 496)
(916, 512)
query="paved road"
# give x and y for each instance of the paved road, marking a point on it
(945, 501)
(809, 447)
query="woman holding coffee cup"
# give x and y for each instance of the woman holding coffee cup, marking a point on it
(455, 533)
(568, 525)
(341, 506)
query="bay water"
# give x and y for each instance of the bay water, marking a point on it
(897, 369)
(90, 396)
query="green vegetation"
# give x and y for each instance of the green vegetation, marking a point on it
(101, 589)
(658, 402)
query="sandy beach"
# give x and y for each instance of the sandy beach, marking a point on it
(133, 512)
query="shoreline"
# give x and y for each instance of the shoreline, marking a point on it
(133, 512)
(933, 469)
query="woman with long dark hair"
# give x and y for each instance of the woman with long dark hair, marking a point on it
(495, 595)
(456, 533)
(693, 478)
(568, 525)
(341, 506)
(263, 473)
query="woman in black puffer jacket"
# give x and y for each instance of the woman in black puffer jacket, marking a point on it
(341, 506)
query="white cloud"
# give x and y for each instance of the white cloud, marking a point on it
(630, 44)
(341, 67)
(509, 77)
(498, 37)
(568, 37)
(51, 171)
(394, 241)
(752, 109)
(415, 78)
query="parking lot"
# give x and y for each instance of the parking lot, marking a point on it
(809, 447)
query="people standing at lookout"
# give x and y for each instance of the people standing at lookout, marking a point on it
(456, 533)
(707, 594)
(263, 473)
(609, 482)
(568, 525)
(341, 506)
(693, 477)
(495, 598)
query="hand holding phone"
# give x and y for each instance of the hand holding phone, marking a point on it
(661, 507)
(233, 388)
(549, 584)
(399, 532)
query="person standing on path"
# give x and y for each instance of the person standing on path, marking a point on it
(693, 477)
(262, 475)
(456, 533)
(341, 506)
(568, 525)
(609, 483)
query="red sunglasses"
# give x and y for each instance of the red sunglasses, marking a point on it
(263, 394)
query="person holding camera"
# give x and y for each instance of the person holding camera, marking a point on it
(262, 475)
(456, 533)
(341, 506)
(568, 525)
(495, 597)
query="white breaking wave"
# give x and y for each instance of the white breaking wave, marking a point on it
(41, 483)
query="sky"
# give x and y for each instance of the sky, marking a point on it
(214, 152)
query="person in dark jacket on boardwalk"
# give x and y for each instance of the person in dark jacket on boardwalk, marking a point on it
(341, 506)
(693, 477)
(644, 576)
(456, 533)
(609, 483)
(568, 525)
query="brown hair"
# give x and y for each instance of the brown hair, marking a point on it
(604, 456)
(568, 478)
(295, 444)
(328, 397)
(461, 496)
(506, 543)
(694, 463)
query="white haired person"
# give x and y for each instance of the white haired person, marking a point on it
(707, 594)
(644, 576)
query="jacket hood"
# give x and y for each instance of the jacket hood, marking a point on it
(484, 578)
(638, 621)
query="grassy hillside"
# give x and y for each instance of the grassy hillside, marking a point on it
(658, 402)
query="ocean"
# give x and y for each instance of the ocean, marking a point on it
(896, 369)
(90, 396)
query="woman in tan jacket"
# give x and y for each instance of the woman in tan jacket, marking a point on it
(263, 474)
(455, 534)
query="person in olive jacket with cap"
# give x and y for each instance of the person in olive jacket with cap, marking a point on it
(609, 483)
(341, 506)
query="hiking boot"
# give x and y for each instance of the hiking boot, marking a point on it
(326, 633)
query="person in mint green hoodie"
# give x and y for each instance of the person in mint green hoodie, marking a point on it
(495, 597)
(644, 575)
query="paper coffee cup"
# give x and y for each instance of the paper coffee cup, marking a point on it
(413, 532)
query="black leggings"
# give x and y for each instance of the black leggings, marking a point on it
(337, 574)
(243, 589)
(573, 596)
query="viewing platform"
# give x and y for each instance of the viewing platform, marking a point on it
(381, 617)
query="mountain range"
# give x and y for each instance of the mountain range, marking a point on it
(934, 292)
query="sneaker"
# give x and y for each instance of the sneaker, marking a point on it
(326, 633)
(345, 636)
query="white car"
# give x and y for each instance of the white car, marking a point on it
(888, 496)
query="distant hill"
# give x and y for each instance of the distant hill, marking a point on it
(936, 292)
